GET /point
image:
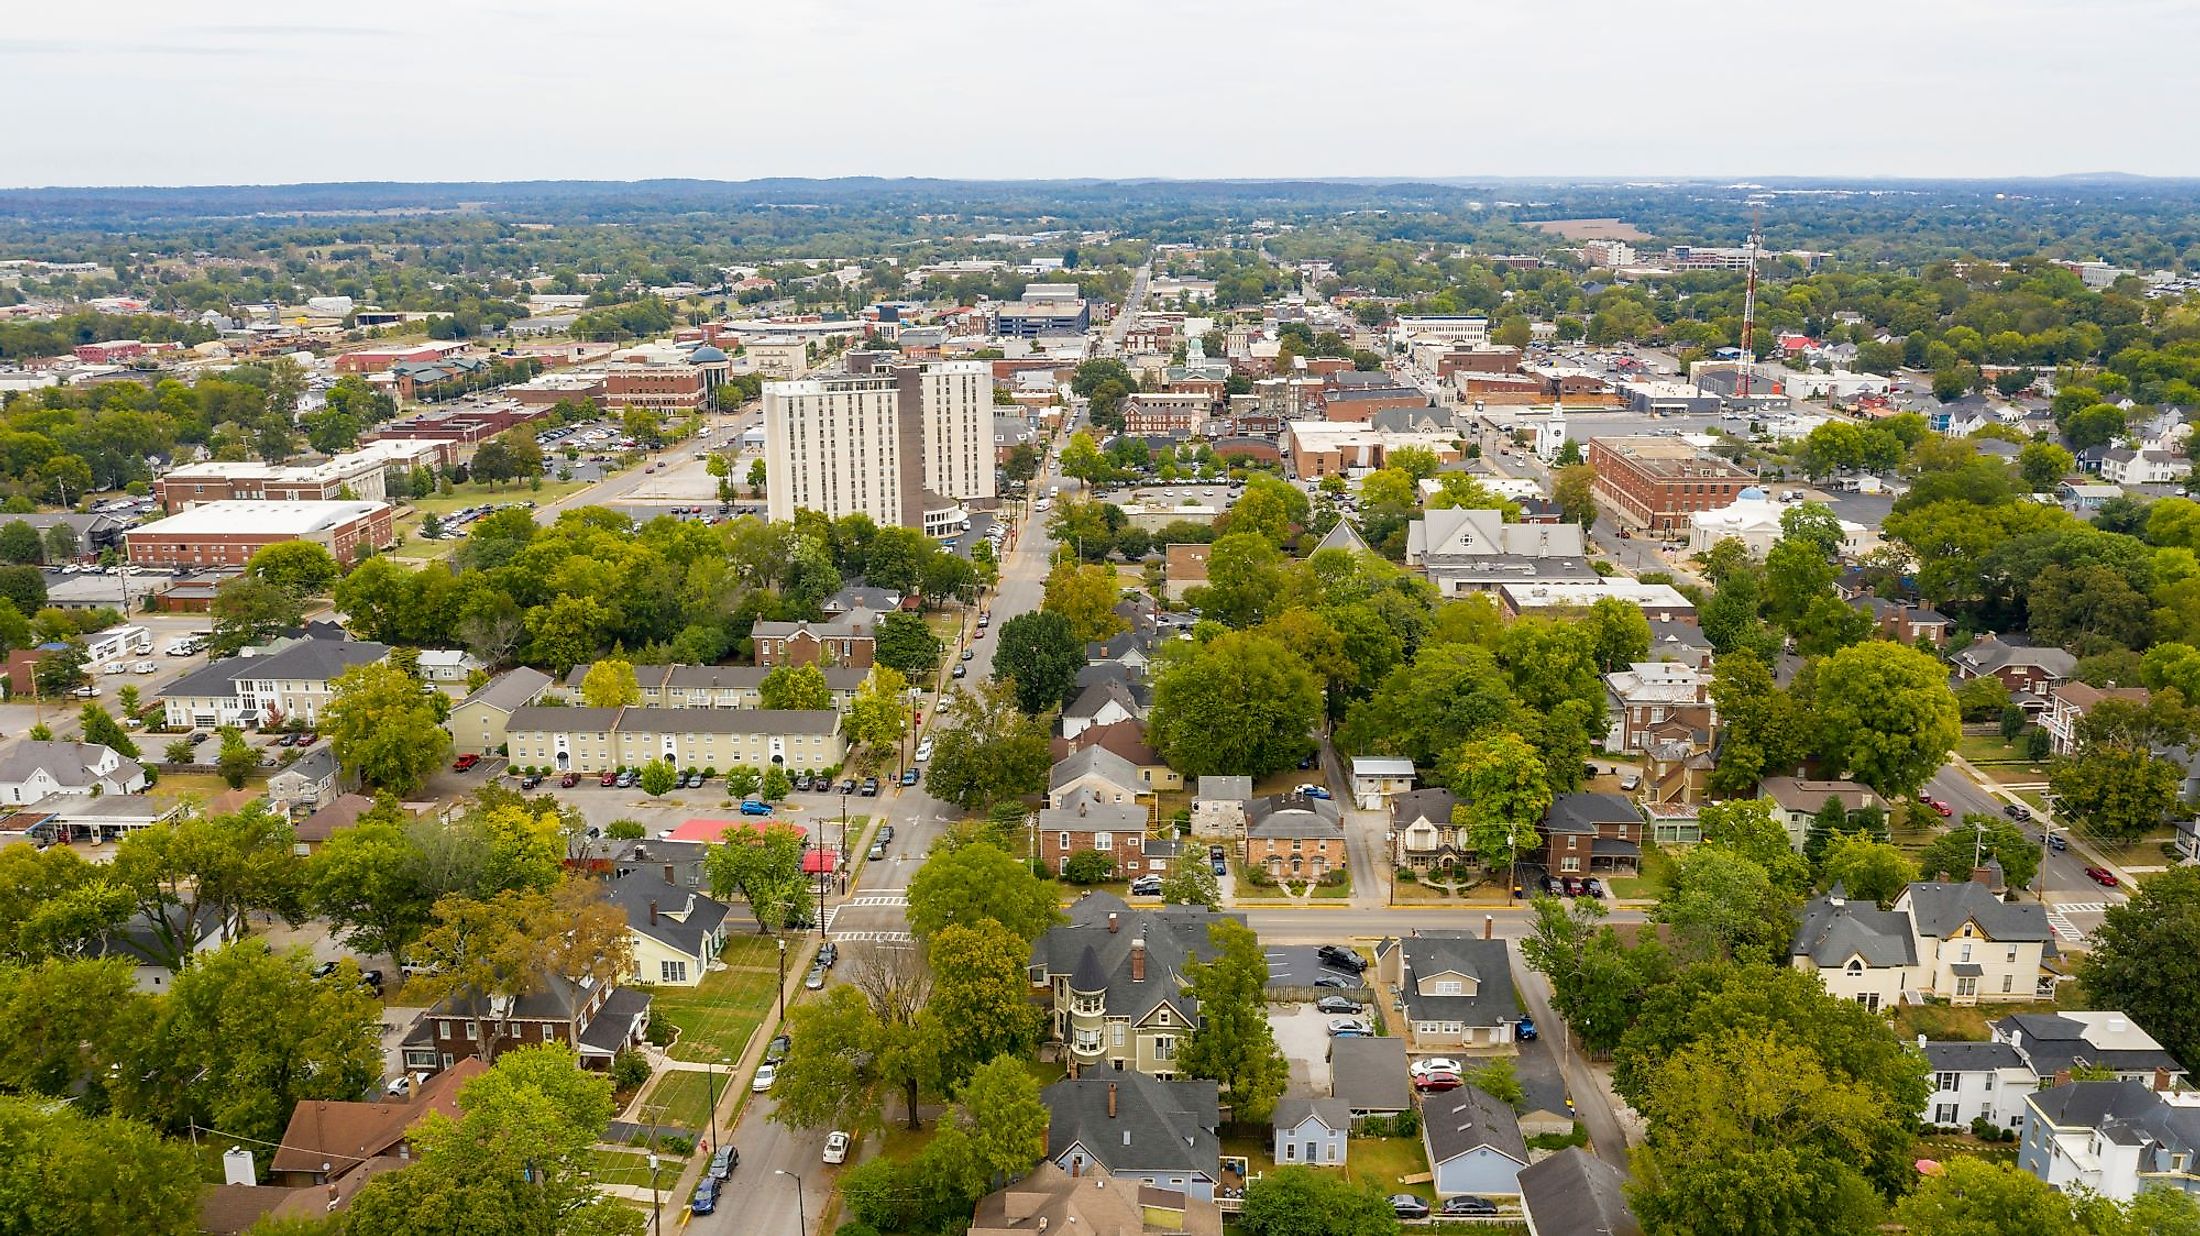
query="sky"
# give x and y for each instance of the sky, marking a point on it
(151, 92)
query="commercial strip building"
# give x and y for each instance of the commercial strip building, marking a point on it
(907, 447)
(228, 533)
(360, 475)
(603, 739)
(1656, 483)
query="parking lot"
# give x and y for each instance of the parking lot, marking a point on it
(1302, 1034)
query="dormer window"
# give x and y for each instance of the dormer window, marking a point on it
(1855, 966)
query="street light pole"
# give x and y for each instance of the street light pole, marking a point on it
(782, 978)
(710, 1089)
(801, 1214)
(656, 1203)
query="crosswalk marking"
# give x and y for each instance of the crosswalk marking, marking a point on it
(891, 898)
(2081, 907)
(874, 937)
(2063, 928)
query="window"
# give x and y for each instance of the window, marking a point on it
(2008, 983)
(1447, 988)
(672, 971)
(2012, 957)
(1947, 1081)
(1118, 1034)
(1855, 966)
(473, 1029)
(1569, 864)
(547, 1036)
(1290, 1152)
(1967, 987)
(1964, 953)
(1164, 1047)
(442, 1029)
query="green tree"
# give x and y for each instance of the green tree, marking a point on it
(1450, 694)
(370, 880)
(1503, 792)
(247, 610)
(1306, 1201)
(62, 543)
(2146, 960)
(764, 866)
(1618, 633)
(610, 683)
(20, 543)
(1887, 715)
(830, 1075)
(1755, 829)
(1085, 596)
(657, 778)
(1082, 460)
(1767, 729)
(776, 784)
(1041, 655)
(518, 1159)
(743, 780)
(1597, 982)
(301, 568)
(1191, 884)
(91, 1020)
(906, 644)
(1089, 867)
(1233, 1043)
(967, 885)
(385, 729)
(64, 1171)
(1573, 486)
(878, 716)
(105, 731)
(238, 759)
(1979, 837)
(1869, 869)
(1979, 1197)
(206, 868)
(2043, 465)
(246, 1034)
(1236, 704)
(989, 751)
(1722, 905)
(1245, 581)
(980, 1007)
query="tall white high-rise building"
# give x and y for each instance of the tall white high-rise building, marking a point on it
(907, 446)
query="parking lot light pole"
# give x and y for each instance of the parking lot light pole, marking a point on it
(782, 978)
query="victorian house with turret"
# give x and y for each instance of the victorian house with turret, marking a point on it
(1113, 979)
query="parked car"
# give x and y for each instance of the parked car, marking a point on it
(870, 787)
(961, 671)
(836, 1147)
(816, 978)
(1310, 790)
(287, 740)
(1573, 885)
(723, 1162)
(876, 852)
(569, 780)
(1525, 1031)
(608, 780)
(1146, 886)
(1435, 1064)
(1219, 866)
(465, 763)
(828, 954)
(801, 782)
(2057, 843)
(1943, 809)
(705, 1200)
(530, 781)
(1405, 1205)
(1334, 980)
(776, 1050)
(848, 786)
(325, 969)
(1437, 1082)
(1345, 1027)
(1338, 1004)
(2017, 811)
(886, 833)
(1341, 957)
(628, 778)
(1553, 887)
(968, 653)
(751, 806)
(766, 1074)
(908, 776)
(2101, 876)
(1467, 1206)
(1593, 887)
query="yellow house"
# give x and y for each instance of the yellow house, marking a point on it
(677, 932)
(477, 723)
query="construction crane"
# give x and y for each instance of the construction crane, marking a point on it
(1749, 311)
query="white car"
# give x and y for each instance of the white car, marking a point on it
(924, 751)
(1349, 1025)
(115, 667)
(836, 1147)
(89, 690)
(1439, 1065)
(145, 667)
(766, 1074)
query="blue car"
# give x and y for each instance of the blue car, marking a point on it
(705, 1200)
(753, 807)
(1525, 1031)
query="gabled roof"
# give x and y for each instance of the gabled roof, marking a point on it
(1368, 1074)
(1459, 1121)
(1092, 699)
(1095, 760)
(70, 764)
(1292, 815)
(319, 764)
(1439, 952)
(635, 891)
(1585, 812)
(1966, 1056)
(311, 660)
(1125, 738)
(1433, 804)
(1174, 937)
(1575, 1193)
(1990, 654)
(1293, 1111)
(345, 1134)
(509, 690)
(1941, 909)
(2122, 1111)
(1226, 789)
(1084, 812)
(1342, 536)
(1166, 1126)
(1834, 929)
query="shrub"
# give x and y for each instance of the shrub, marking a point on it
(676, 1145)
(1089, 867)
(625, 830)
(1333, 878)
(1407, 875)
(629, 1069)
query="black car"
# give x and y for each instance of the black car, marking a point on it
(1339, 1005)
(325, 969)
(870, 787)
(828, 954)
(1407, 1206)
(777, 1049)
(373, 979)
(1334, 980)
(1468, 1206)
(1340, 957)
(530, 781)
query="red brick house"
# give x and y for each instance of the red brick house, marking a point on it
(1293, 837)
(850, 641)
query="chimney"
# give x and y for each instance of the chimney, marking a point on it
(1138, 960)
(2062, 1077)
(653, 911)
(1983, 876)
(237, 1167)
(1111, 1100)
(670, 874)
(2116, 1023)
(1113, 926)
(1489, 923)
(1921, 1041)
(2162, 1079)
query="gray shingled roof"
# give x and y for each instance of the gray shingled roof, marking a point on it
(1292, 1111)
(1158, 1126)
(1830, 934)
(1458, 1121)
(1964, 1056)
(1939, 909)
(309, 660)
(1575, 1193)
(1174, 936)
(1085, 813)
(1094, 759)
(1369, 1074)
(1292, 815)
(1433, 804)
(1434, 952)
(1581, 813)
(510, 689)
(633, 893)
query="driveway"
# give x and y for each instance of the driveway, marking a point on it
(1302, 1034)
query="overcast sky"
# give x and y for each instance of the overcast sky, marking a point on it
(104, 92)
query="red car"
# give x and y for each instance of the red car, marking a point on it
(1429, 1083)
(2101, 876)
(609, 779)
(570, 780)
(1944, 809)
(465, 763)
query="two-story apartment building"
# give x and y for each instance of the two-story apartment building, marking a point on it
(1086, 821)
(1975, 1081)
(1650, 695)
(603, 739)
(2113, 1138)
(850, 640)
(597, 1020)
(1113, 981)
(1457, 989)
(1143, 1131)
(1957, 942)
(715, 686)
(1591, 834)
(477, 723)
(1294, 837)
(267, 689)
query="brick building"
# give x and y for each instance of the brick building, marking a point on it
(1656, 483)
(849, 641)
(229, 533)
(657, 387)
(1294, 837)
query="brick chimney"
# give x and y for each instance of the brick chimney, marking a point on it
(1489, 925)
(653, 911)
(1111, 1100)
(1983, 876)
(2062, 1077)
(1138, 960)
(2162, 1080)
(1113, 926)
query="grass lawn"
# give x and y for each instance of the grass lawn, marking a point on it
(1944, 1147)
(625, 1167)
(717, 1016)
(1657, 874)
(473, 493)
(201, 786)
(683, 1098)
(1992, 749)
(1378, 1160)
(1949, 1021)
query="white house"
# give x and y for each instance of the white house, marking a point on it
(2124, 466)
(1376, 778)
(1957, 942)
(2114, 1138)
(1972, 1080)
(31, 771)
(1311, 1131)
(265, 690)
